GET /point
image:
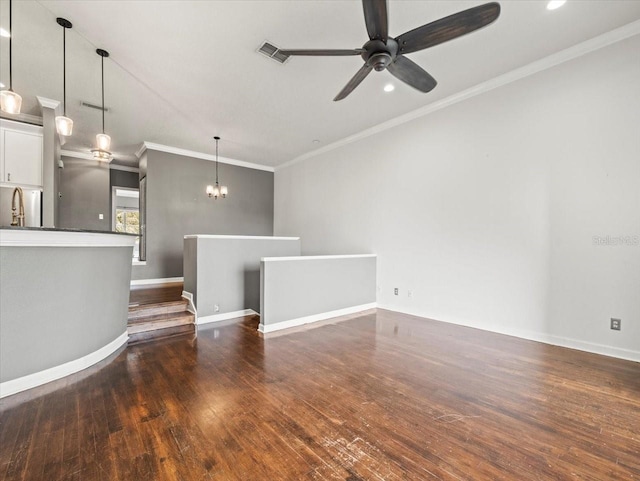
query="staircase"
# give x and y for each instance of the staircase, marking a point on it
(158, 312)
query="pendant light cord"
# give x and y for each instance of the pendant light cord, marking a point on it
(64, 71)
(10, 39)
(102, 61)
(216, 161)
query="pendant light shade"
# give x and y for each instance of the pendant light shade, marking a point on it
(217, 190)
(10, 102)
(103, 141)
(64, 125)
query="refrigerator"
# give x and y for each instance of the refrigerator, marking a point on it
(32, 206)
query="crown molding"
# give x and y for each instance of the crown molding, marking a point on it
(76, 155)
(22, 118)
(203, 156)
(49, 104)
(124, 168)
(138, 153)
(557, 58)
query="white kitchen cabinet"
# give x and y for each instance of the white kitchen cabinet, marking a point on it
(20, 154)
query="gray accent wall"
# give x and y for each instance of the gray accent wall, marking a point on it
(84, 185)
(123, 178)
(176, 205)
(226, 271)
(307, 286)
(58, 304)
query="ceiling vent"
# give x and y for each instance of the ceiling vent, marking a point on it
(273, 52)
(92, 106)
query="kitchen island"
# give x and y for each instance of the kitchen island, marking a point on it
(63, 302)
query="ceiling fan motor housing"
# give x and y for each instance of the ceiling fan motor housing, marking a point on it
(378, 54)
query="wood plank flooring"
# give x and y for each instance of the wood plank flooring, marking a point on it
(383, 396)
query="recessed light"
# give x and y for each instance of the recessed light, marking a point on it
(4, 33)
(553, 4)
(389, 88)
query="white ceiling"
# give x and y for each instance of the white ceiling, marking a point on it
(181, 72)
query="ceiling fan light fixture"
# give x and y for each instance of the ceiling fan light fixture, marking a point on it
(389, 88)
(383, 52)
(555, 4)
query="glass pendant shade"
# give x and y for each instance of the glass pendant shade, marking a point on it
(210, 190)
(216, 191)
(224, 191)
(64, 125)
(103, 141)
(10, 102)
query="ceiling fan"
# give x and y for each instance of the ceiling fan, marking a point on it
(384, 52)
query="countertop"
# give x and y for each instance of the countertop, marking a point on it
(57, 229)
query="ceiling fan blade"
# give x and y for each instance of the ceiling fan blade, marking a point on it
(375, 16)
(448, 28)
(411, 73)
(354, 82)
(320, 53)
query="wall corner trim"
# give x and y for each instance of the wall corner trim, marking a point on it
(583, 48)
(15, 386)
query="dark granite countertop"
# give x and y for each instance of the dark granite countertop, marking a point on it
(56, 229)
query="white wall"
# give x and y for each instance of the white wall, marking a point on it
(487, 209)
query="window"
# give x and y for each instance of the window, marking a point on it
(126, 214)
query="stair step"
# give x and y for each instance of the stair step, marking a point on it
(165, 316)
(187, 331)
(160, 321)
(154, 293)
(146, 310)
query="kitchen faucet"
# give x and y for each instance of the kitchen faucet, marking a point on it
(17, 219)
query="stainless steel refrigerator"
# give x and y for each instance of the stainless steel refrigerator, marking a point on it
(32, 206)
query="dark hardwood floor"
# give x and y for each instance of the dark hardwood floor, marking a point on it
(382, 396)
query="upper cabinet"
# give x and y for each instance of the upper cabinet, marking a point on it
(20, 153)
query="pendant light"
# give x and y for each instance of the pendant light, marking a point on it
(103, 141)
(64, 124)
(217, 190)
(10, 102)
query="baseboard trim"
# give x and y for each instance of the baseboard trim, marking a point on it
(191, 307)
(147, 282)
(225, 316)
(593, 348)
(313, 318)
(15, 386)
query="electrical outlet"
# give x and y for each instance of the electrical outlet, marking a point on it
(216, 308)
(409, 293)
(616, 324)
(395, 291)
